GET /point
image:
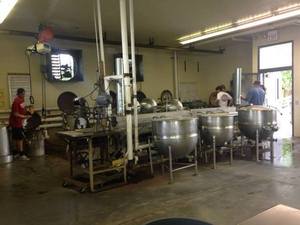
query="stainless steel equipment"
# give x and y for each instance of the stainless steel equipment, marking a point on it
(237, 86)
(148, 105)
(5, 156)
(261, 119)
(218, 125)
(181, 134)
(120, 87)
(174, 105)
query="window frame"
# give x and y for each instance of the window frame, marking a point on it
(77, 59)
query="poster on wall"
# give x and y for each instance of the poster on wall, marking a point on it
(16, 81)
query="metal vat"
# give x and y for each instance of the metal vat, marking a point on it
(148, 105)
(5, 156)
(257, 118)
(181, 134)
(174, 105)
(219, 125)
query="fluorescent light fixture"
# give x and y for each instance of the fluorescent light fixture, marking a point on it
(243, 24)
(5, 7)
(216, 28)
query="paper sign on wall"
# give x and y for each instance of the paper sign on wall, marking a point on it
(19, 81)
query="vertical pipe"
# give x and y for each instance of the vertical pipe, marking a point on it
(97, 43)
(176, 75)
(196, 160)
(120, 87)
(231, 152)
(272, 149)
(126, 78)
(171, 166)
(256, 146)
(150, 157)
(214, 152)
(101, 37)
(237, 86)
(133, 64)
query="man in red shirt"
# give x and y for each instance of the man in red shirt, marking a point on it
(16, 120)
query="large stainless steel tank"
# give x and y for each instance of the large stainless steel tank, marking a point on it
(181, 134)
(217, 124)
(261, 118)
(5, 156)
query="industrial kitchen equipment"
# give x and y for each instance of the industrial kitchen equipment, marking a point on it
(173, 105)
(181, 134)
(148, 105)
(258, 123)
(218, 126)
(216, 131)
(176, 138)
(261, 119)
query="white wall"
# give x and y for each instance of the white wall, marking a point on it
(158, 68)
(284, 34)
(218, 69)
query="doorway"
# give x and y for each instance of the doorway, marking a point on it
(276, 74)
(279, 86)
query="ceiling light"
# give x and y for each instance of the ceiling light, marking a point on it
(243, 24)
(216, 28)
(253, 18)
(5, 7)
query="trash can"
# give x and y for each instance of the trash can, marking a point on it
(5, 154)
(177, 221)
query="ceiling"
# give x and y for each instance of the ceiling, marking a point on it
(165, 20)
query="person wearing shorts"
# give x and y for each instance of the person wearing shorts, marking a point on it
(16, 119)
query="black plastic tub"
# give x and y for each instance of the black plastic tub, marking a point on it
(177, 221)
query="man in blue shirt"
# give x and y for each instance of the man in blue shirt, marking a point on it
(256, 95)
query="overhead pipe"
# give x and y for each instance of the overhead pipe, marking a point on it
(118, 43)
(133, 64)
(127, 79)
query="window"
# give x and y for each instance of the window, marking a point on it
(64, 65)
(276, 56)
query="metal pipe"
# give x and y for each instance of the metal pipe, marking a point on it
(196, 160)
(133, 64)
(127, 79)
(214, 152)
(170, 166)
(120, 86)
(109, 42)
(257, 146)
(176, 75)
(237, 86)
(97, 44)
(101, 37)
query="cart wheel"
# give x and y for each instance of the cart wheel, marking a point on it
(65, 184)
(82, 190)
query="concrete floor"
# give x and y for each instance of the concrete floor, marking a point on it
(31, 194)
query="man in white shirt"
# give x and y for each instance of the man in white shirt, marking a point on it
(223, 98)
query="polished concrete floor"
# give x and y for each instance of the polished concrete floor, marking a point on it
(31, 193)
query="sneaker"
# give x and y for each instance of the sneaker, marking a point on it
(24, 157)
